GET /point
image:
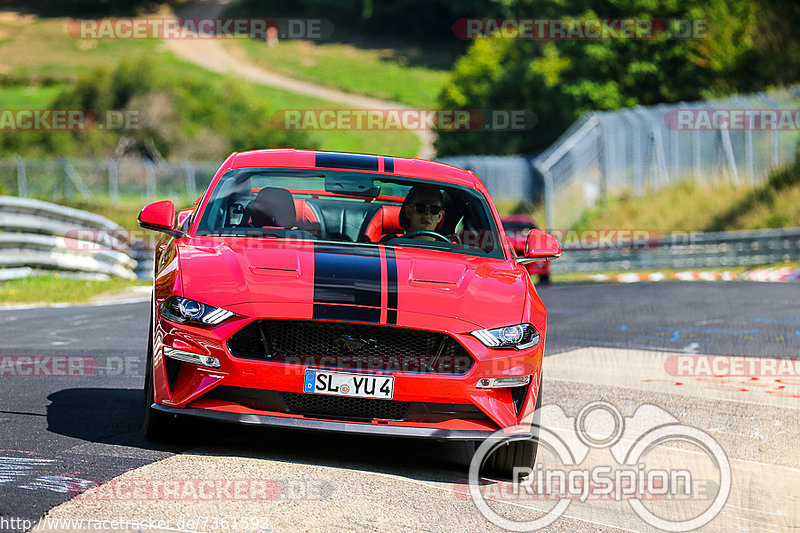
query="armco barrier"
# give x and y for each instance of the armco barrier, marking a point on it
(688, 250)
(41, 235)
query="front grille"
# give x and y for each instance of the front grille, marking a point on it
(335, 406)
(351, 346)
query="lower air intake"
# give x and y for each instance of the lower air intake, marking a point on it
(339, 407)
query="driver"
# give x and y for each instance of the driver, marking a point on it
(422, 211)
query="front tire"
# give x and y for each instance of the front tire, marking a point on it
(517, 453)
(508, 456)
(156, 424)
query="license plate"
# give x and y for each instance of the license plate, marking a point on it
(352, 385)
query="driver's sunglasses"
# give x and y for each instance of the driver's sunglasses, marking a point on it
(432, 209)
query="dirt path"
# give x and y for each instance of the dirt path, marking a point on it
(211, 55)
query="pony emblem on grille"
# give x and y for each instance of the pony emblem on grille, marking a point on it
(352, 345)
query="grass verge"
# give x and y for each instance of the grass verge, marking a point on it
(690, 207)
(41, 48)
(50, 289)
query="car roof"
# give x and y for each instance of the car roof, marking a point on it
(390, 165)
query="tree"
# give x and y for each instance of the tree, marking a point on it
(560, 80)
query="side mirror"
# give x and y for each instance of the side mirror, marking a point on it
(540, 246)
(159, 216)
(183, 216)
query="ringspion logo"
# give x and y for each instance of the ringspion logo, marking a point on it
(637, 466)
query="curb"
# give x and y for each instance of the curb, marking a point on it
(773, 274)
(760, 274)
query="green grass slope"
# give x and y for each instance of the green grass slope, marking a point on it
(689, 207)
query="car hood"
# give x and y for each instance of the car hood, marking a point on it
(359, 282)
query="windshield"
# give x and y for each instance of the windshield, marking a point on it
(346, 206)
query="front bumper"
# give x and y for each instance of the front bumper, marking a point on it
(189, 389)
(353, 428)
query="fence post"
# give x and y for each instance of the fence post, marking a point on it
(22, 177)
(65, 171)
(748, 151)
(674, 152)
(150, 171)
(748, 145)
(660, 158)
(728, 148)
(795, 91)
(776, 147)
(71, 175)
(696, 155)
(547, 179)
(638, 170)
(549, 213)
(191, 184)
(604, 159)
(113, 180)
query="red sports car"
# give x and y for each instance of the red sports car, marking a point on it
(517, 228)
(298, 294)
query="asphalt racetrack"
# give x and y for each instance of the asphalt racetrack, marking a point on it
(638, 348)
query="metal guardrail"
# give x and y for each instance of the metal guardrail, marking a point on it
(41, 235)
(687, 250)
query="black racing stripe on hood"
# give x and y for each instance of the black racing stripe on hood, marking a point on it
(391, 286)
(352, 161)
(346, 248)
(347, 279)
(388, 164)
(349, 313)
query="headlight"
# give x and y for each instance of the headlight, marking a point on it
(520, 336)
(182, 310)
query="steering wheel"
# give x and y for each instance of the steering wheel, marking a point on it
(412, 234)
